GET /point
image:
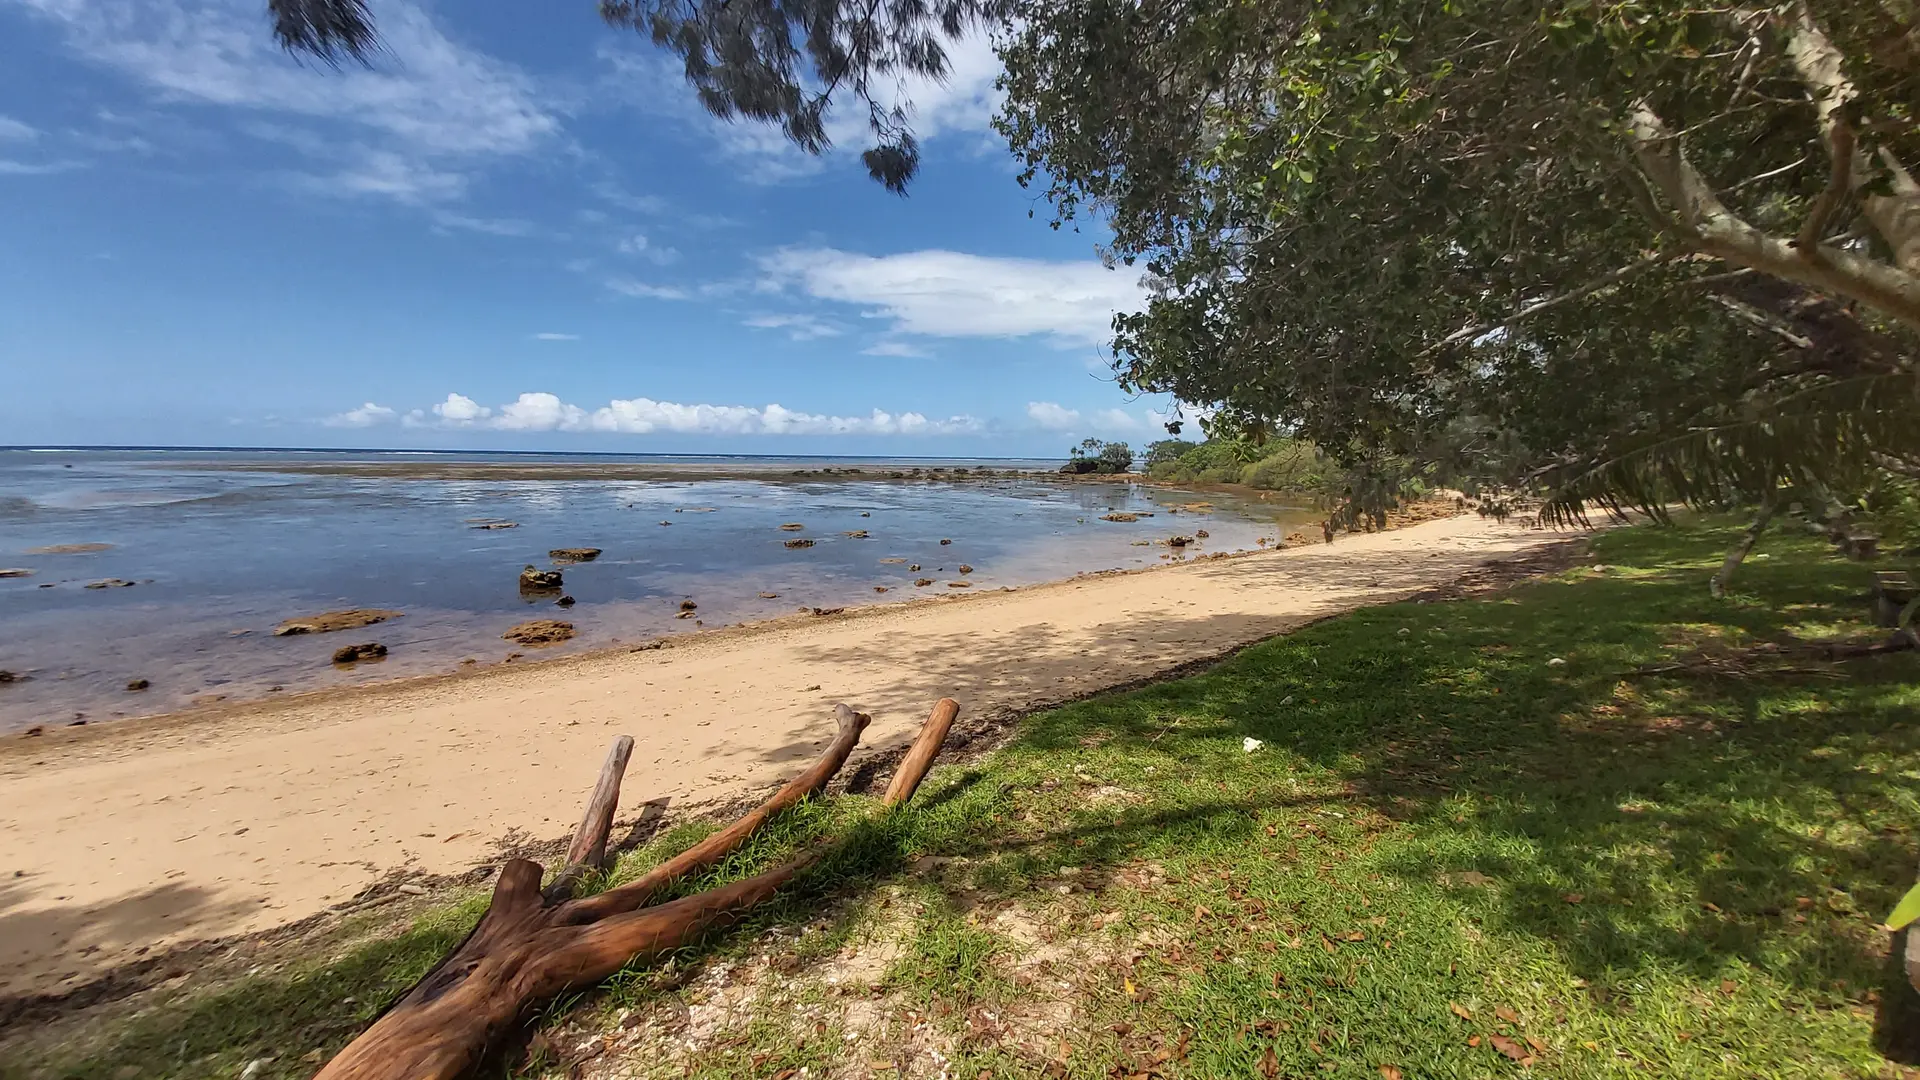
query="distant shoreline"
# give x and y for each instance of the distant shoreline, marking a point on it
(772, 469)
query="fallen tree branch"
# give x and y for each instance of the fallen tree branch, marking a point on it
(529, 948)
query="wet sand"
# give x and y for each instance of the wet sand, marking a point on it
(124, 838)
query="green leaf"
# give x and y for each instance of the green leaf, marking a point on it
(1906, 911)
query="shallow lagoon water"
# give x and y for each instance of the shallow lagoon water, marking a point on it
(223, 546)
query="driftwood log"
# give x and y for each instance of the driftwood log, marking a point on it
(530, 947)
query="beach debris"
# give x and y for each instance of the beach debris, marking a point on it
(944, 543)
(857, 534)
(959, 584)
(923, 582)
(37, 729)
(1179, 541)
(540, 632)
(68, 549)
(533, 943)
(879, 588)
(792, 526)
(497, 525)
(685, 615)
(10, 676)
(110, 583)
(914, 569)
(1201, 534)
(799, 543)
(328, 621)
(769, 596)
(1294, 538)
(137, 684)
(893, 560)
(565, 601)
(15, 571)
(533, 579)
(368, 650)
(1119, 516)
(828, 610)
(965, 569)
(1250, 744)
(579, 554)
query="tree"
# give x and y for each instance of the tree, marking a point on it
(1640, 251)
(1097, 456)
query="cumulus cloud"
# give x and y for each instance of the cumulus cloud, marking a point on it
(365, 416)
(798, 327)
(540, 411)
(953, 294)
(460, 409)
(1056, 417)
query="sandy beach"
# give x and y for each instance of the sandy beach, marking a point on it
(118, 841)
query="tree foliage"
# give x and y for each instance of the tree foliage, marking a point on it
(1097, 456)
(1557, 242)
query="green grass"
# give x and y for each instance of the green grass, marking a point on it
(1677, 876)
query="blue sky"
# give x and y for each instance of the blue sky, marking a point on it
(519, 232)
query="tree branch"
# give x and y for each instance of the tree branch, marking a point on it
(1714, 230)
(1896, 217)
(1479, 330)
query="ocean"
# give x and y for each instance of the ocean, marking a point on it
(222, 545)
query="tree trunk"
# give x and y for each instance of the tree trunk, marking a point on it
(528, 948)
(1718, 584)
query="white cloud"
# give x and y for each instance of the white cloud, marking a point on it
(460, 409)
(38, 168)
(644, 416)
(1052, 416)
(798, 327)
(639, 245)
(556, 337)
(539, 412)
(951, 294)
(17, 130)
(490, 226)
(426, 110)
(891, 347)
(1055, 417)
(365, 416)
(644, 291)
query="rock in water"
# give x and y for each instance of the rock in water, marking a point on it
(857, 534)
(565, 601)
(9, 676)
(540, 632)
(792, 526)
(574, 554)
(138, 684)
(944, 543)
(1119, 517)
(534, 579)
(769, 596)
(1179, 541)
(1201, 534)
(959, 584)
(799, 543)
(19, 571)
(498, 525)
(68, 549)
(328, 621)
(688, 605)
(965, 569)
(923, 582)
(110, 583)
(370, 650)
(914, 569)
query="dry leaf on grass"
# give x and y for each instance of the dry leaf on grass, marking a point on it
(1509, 1047)
(1389, 1072)
(1507, 1014)
(1269, 1065)
(1460, 1010)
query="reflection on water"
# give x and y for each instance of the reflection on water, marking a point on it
(221, 556)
